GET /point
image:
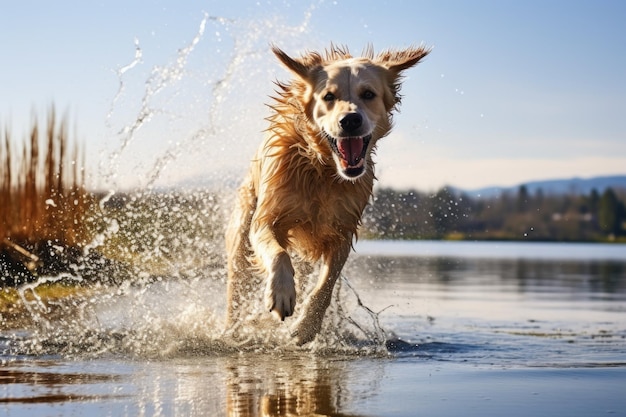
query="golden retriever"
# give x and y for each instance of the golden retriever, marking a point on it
(312, 177)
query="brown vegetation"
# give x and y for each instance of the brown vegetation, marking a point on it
(47, 198)
(43, 200)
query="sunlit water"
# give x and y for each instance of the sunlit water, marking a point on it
(489, 330)
(420, 328)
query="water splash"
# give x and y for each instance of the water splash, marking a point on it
(120, 74)
(183, 317)
(168, 297)
(37, 309)
(208, 97)
(160, 78)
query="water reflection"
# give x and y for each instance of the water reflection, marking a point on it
(528, 275)
(306, 385)
(36, 385)
(251, 385)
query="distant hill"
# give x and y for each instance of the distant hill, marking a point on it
(230, 180)
(558, 186)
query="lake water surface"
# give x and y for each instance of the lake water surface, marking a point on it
(445, 328)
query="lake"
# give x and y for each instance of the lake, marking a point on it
(416, 328)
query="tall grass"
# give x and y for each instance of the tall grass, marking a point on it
(42, 188)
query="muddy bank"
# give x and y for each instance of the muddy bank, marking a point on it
(50, 279)
(23, 264)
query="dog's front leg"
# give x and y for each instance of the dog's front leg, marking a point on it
(310, 323)
(280, 290)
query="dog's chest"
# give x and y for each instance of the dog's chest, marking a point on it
(322, 220)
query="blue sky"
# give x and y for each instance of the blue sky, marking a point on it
(513, 90)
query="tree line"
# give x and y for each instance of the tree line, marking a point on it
(521, 215)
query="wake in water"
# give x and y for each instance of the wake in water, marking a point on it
(169, 298)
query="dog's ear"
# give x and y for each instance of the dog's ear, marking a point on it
(302, 67)
(398, 61)
(395, 62)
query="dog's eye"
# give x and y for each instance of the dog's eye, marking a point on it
(368, 95)
(329, 97)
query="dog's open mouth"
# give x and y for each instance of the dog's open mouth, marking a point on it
(351, 151)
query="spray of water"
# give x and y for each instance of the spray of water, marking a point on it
(168, 298)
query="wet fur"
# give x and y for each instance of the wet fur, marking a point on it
(307, 187)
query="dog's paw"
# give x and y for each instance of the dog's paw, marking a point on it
(280, 293)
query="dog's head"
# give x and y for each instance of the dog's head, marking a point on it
(349, 100)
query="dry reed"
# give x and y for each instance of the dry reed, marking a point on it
(42, 194)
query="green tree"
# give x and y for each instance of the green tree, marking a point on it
(609, 213)
(594, 201)
(522, 198)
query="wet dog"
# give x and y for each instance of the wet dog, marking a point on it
(312, 177)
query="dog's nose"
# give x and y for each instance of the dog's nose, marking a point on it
(351, 122)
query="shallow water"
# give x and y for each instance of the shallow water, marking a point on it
(495, 329)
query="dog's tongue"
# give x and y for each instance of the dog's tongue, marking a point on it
(351, 149)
